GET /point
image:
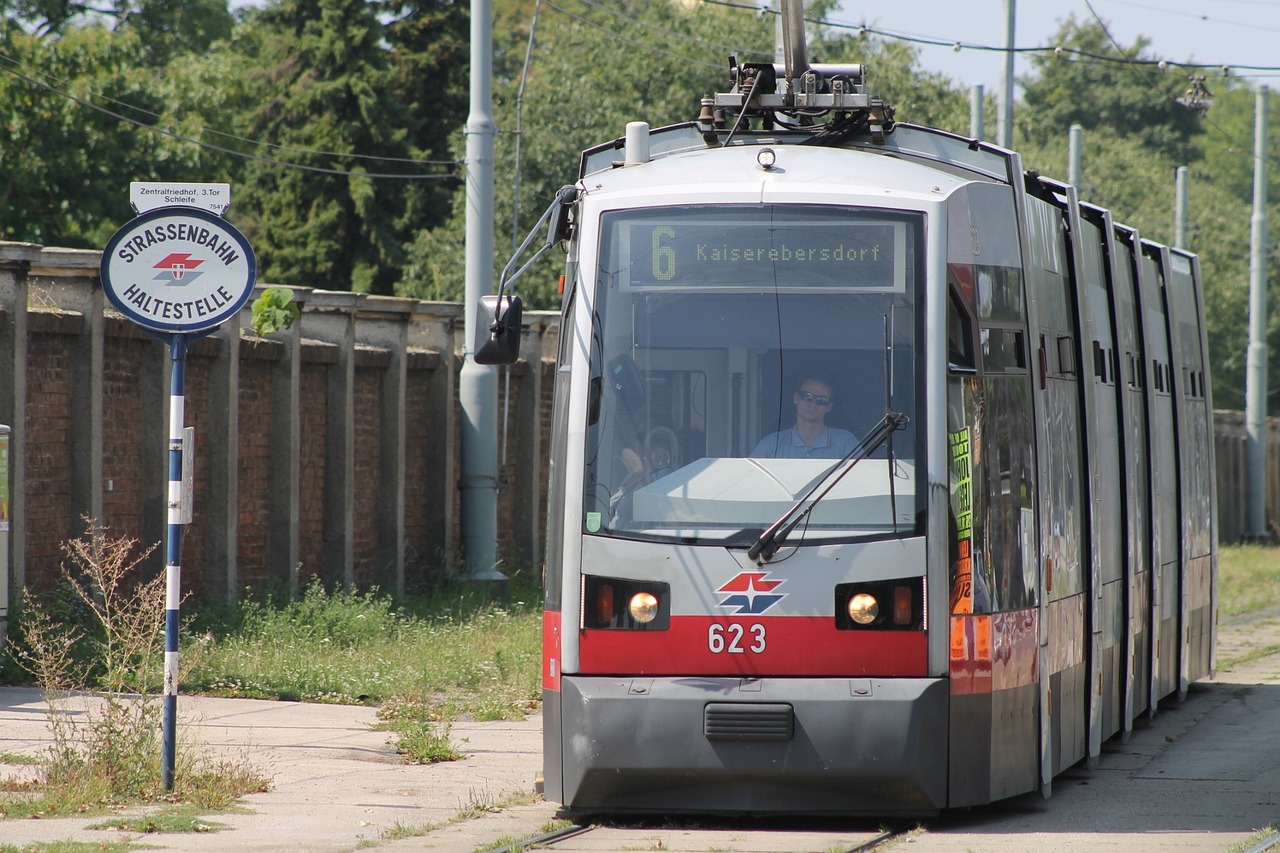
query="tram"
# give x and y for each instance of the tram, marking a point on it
(882, 473)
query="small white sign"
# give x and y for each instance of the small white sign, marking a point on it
(148, 195)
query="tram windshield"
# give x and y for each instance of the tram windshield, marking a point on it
(738, 353)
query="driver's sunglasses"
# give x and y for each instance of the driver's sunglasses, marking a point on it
(817, 399)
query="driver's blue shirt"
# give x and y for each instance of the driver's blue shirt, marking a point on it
(830, 444)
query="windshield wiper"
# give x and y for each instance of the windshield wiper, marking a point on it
(773, 537)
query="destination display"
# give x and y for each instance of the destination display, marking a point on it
(804, 250)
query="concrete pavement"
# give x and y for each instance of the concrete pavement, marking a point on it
(337, 783)
(1199, 777)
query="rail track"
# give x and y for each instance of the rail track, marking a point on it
(691, 837)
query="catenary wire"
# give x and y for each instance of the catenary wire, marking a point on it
(9, 66)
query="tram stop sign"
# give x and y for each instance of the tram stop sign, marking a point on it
(178, 270)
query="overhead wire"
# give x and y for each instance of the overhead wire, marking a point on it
(1057, 50)
(662, 30)
(586, 22)
(15, 68)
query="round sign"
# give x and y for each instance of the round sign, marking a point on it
(178, 269)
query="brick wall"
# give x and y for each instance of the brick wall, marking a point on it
(123, 438)
(257, 363)
(92, 438)
(315, 397)
(368, 411)
(48, 422)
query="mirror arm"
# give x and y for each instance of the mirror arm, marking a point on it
(564, 197)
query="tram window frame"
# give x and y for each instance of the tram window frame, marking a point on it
(1066, 355)
(1003, 350)
(962, 335)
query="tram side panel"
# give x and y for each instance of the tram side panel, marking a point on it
(1195, 449)
(1061, 491)
(553, 569)
(1165, 603)
(1135, 454)
(1107, 582)
(994, 627)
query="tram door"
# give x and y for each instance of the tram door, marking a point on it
(1165, 602)
(1136, 458)
(993, 643)
(1062, 531)
(1108, 592)
(1195, 446)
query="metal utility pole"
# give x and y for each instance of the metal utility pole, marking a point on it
(779, 45)
(1255, 381)
(1005, 128)
(1075, 155)
(1180, 208)
(977, 123)
(478, 384)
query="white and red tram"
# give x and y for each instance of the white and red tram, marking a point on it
(1013, 561)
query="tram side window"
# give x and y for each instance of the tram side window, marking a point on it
(960, 336)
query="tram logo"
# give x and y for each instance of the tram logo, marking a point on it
(178, 268)
(750, 593)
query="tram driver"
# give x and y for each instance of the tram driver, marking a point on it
(810, 437)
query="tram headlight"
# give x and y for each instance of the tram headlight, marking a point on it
(625, 604)
(880, 605)
(863, 608)
(643, 607)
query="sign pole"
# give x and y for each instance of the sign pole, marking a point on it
(173, 552)
(178, 270)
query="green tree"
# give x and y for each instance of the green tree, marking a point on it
(1102, 88)
(323, 100)
(76, 114)
(164, 28)
(597, 64)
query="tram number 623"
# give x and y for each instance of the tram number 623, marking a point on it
(736, 639)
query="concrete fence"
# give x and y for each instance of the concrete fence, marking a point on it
(328, 450)
(1230, 440)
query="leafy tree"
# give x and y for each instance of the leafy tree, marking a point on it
(164, 28)
(68, 154)
(597, 65)
(1111, 95)
(322, 73)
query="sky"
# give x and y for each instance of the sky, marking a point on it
(1234, 32)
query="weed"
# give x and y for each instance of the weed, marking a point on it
(94, 673)
(181, 819)
(477, 808)
(451, 651)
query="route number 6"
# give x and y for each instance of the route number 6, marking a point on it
(736, 639)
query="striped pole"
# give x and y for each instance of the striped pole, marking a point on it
(173, 549)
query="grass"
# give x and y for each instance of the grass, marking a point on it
(479, 806)
(426, 662)
(1248, 580)
(89, 650)
(175, 819)
(451, 649)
